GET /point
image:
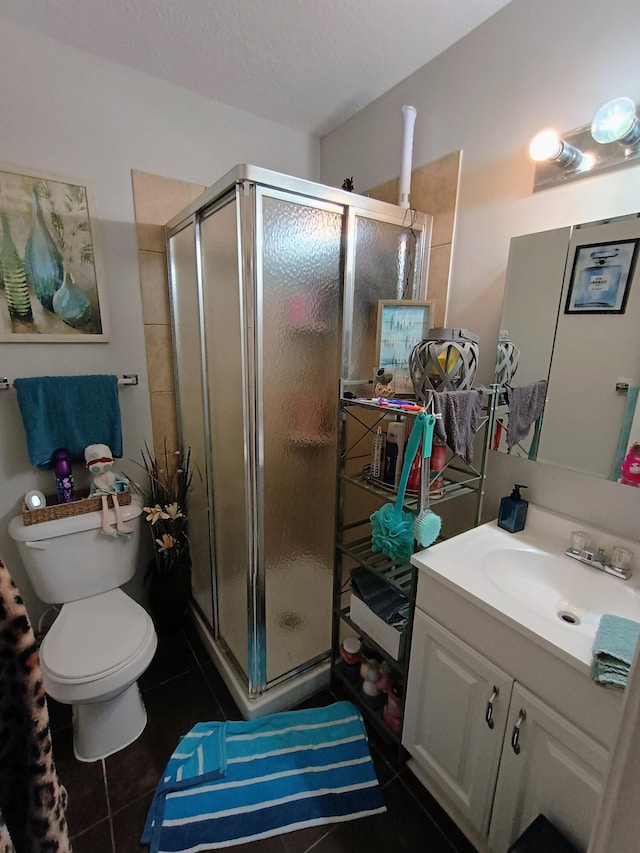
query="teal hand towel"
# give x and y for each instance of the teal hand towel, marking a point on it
(613, 650)
(70, 412)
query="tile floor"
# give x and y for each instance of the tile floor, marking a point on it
(108, 800)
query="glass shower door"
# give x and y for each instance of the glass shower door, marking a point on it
(298, 343)
(226, 378)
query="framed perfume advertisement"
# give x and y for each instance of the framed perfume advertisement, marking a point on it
(50, 266)
(601, 278)
(401, 325)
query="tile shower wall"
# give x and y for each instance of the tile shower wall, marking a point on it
(156, 201)
(434, 190)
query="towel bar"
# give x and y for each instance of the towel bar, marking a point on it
(125, 379)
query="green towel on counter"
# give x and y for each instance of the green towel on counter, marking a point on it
(613, 650)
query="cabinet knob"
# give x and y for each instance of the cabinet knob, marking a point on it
(515, 734)
(488, 716)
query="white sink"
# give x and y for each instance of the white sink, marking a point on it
(526, 579)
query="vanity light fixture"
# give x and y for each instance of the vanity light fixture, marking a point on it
(611, 140)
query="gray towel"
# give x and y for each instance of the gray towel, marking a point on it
(526, 404)
(458, 425)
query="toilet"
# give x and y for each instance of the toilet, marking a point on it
(102, 640)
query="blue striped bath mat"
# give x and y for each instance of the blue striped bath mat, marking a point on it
(230, 783)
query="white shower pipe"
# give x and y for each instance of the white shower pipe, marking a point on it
(404, 185)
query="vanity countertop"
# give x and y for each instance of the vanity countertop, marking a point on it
(526, 581)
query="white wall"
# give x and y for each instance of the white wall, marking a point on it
(65, 112)
(530, 66)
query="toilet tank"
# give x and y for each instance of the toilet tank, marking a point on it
(70, 558)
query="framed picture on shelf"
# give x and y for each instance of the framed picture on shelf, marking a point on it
(400, 326)
(50, 264)
(601, 278)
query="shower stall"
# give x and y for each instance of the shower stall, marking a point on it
(274, 287)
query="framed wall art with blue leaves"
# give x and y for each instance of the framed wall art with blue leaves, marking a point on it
(50, 266)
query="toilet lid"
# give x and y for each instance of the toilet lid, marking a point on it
(94, 637)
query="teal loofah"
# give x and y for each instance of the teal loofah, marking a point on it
(391, 527)
(392, 532)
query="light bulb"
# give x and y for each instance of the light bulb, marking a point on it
(616, 121)
(549, 146)
(545, 145)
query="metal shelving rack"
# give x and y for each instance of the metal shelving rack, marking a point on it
(353, 545)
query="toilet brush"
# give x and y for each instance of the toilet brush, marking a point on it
(427, 525)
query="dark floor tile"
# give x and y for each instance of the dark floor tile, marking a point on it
(426, 800)
(128, 824)
(94, 840)
(221, 692)
(319, 700)
(173, 708)
(84, 782)
(403, 828)
(197, 646)
(304, 839)
(59, 715)
(174, 656)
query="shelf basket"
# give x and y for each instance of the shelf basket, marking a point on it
(54, 512)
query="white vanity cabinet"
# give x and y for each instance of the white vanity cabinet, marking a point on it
(548, 766)
(494, 752)
(455, 717)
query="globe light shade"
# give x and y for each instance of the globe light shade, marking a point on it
(616, 121)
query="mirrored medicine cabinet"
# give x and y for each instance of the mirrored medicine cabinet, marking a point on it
(572, 311)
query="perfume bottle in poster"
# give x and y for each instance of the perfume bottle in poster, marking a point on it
(598, 283)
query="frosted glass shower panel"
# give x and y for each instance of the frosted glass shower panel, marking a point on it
(189, 395)
(225, 376)
(300, 361)
(384, 268)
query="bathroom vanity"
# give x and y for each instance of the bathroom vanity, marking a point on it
(502, 718)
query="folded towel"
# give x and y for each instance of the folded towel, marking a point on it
(382, 599)
(460, 412)
(70, 412)
(526, 404)
(613, 650)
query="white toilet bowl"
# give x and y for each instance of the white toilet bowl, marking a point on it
(91, 659)
(102, 641)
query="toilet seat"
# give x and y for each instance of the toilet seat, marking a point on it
(104, 638)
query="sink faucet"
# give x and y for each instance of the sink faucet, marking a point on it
(617, 564)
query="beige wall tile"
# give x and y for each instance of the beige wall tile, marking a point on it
(151, 238)
(438, 281)
(434, 190)
(164, 421)
(386, 192)
(154, 287)
(157, 199)
(159, 357)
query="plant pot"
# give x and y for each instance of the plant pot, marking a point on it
(169, 594)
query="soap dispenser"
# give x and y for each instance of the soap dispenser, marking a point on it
(513, 510)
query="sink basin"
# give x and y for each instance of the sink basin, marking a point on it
(560, 588)
(527, 580)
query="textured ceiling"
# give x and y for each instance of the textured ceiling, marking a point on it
(307, 65)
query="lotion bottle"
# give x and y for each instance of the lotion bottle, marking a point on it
(513, 510)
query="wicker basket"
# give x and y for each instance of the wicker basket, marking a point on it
(53, 512)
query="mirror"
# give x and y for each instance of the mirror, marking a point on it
(570, 322)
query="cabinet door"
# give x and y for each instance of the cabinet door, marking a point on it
(455, 716)
(548, 767)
